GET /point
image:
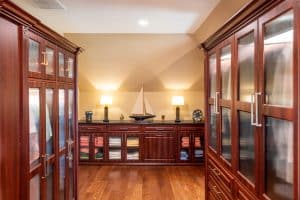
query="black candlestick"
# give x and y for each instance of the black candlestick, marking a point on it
(105, 114)
(177, 114)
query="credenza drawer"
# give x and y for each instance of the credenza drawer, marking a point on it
(124, 128)
(159, 128)
(91, 128)
(192, 128)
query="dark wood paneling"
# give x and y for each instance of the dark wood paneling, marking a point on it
(10, 110)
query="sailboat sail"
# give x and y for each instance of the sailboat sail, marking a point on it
(142, 106)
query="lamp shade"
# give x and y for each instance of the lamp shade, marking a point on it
(177, 100)
(106, 100)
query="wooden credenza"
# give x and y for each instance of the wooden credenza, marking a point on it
(127, 142)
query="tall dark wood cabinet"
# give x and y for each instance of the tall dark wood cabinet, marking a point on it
(252, 104)
(38, 81)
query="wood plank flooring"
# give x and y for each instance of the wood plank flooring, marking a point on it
(141, 182)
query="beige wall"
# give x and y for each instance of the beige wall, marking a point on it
(119, 64)
(167, 65)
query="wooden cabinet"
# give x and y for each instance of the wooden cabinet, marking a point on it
(40, 110)
(138, 143)
(159, 147)
(251, 97)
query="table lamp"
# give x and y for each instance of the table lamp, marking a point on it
(106, 100)
(177, 101)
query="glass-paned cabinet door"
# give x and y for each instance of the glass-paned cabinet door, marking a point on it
(49, 121)
(279, 158)
(71, 113)
(49, 61)
(71, 174)
(34, 126)
(84, 147)
(246, 60)
(213, 128)
(246, 146)
(62, 177)
(70, 68)
(61, 64)
(34, 56)
(225, 62)
(278, 60)
(226, 134)
(212, 75)
(34, 187)
(61, 118)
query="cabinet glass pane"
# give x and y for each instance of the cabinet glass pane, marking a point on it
(50, 182)
(62, 128)
(49, 121)
(71, 114)
(33, 56)
(71, 175)
(213, 75)
(132, 154)
(62, 177)
(61, 64)
(226, 72)
(246, 146)
(226, 134)
(184, 154)
(115, 154)
(185, 141)
(34, 125)
(35, 193)
(246, 52)
(98, 144)
(133, 141)
(50, 61)
(115, 141)
(84, 147)
(213, 129)
(279, 158)
(70, 67)
(278, 60)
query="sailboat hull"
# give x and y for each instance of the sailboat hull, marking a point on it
(141, 117)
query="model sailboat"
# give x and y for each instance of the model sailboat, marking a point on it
(142, 109)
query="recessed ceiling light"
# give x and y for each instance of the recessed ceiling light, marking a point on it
(143, 22)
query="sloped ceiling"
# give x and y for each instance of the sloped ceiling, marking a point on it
(125, 62)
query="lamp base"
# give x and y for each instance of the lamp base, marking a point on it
(105, 120)
(177, 121)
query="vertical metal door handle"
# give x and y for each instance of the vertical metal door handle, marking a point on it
(256, 109)
(217, 104)
(252, 110)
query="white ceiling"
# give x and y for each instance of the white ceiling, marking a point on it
(121, 16)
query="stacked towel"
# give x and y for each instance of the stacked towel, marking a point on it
(185, 141)
(197, 142)
(84, 153)
(198, 153)
(132, 142)
(98, 153)
(84, 141)
(184, 155)
(114, 154)
(98, 141)
(133, 155)
(115, 141)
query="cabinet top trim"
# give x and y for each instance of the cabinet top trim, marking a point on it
(128, 122)
(242, 18)
(13, 12)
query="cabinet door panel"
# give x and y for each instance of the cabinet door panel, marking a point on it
(278, 60)
(225, 62)
(34, 187)
(246, 146)
(213, 75)
(50, 61)
(246, 64)
(213, 129)
(62, 122)
(50, 182)
(61, 64)
(49, 121)
(226, 134)
(279, 158)
(62, 177)
(159, 148)
(34, 126)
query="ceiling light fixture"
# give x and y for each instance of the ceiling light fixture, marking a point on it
(143, 22)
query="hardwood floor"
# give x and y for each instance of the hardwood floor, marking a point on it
(141, 182)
